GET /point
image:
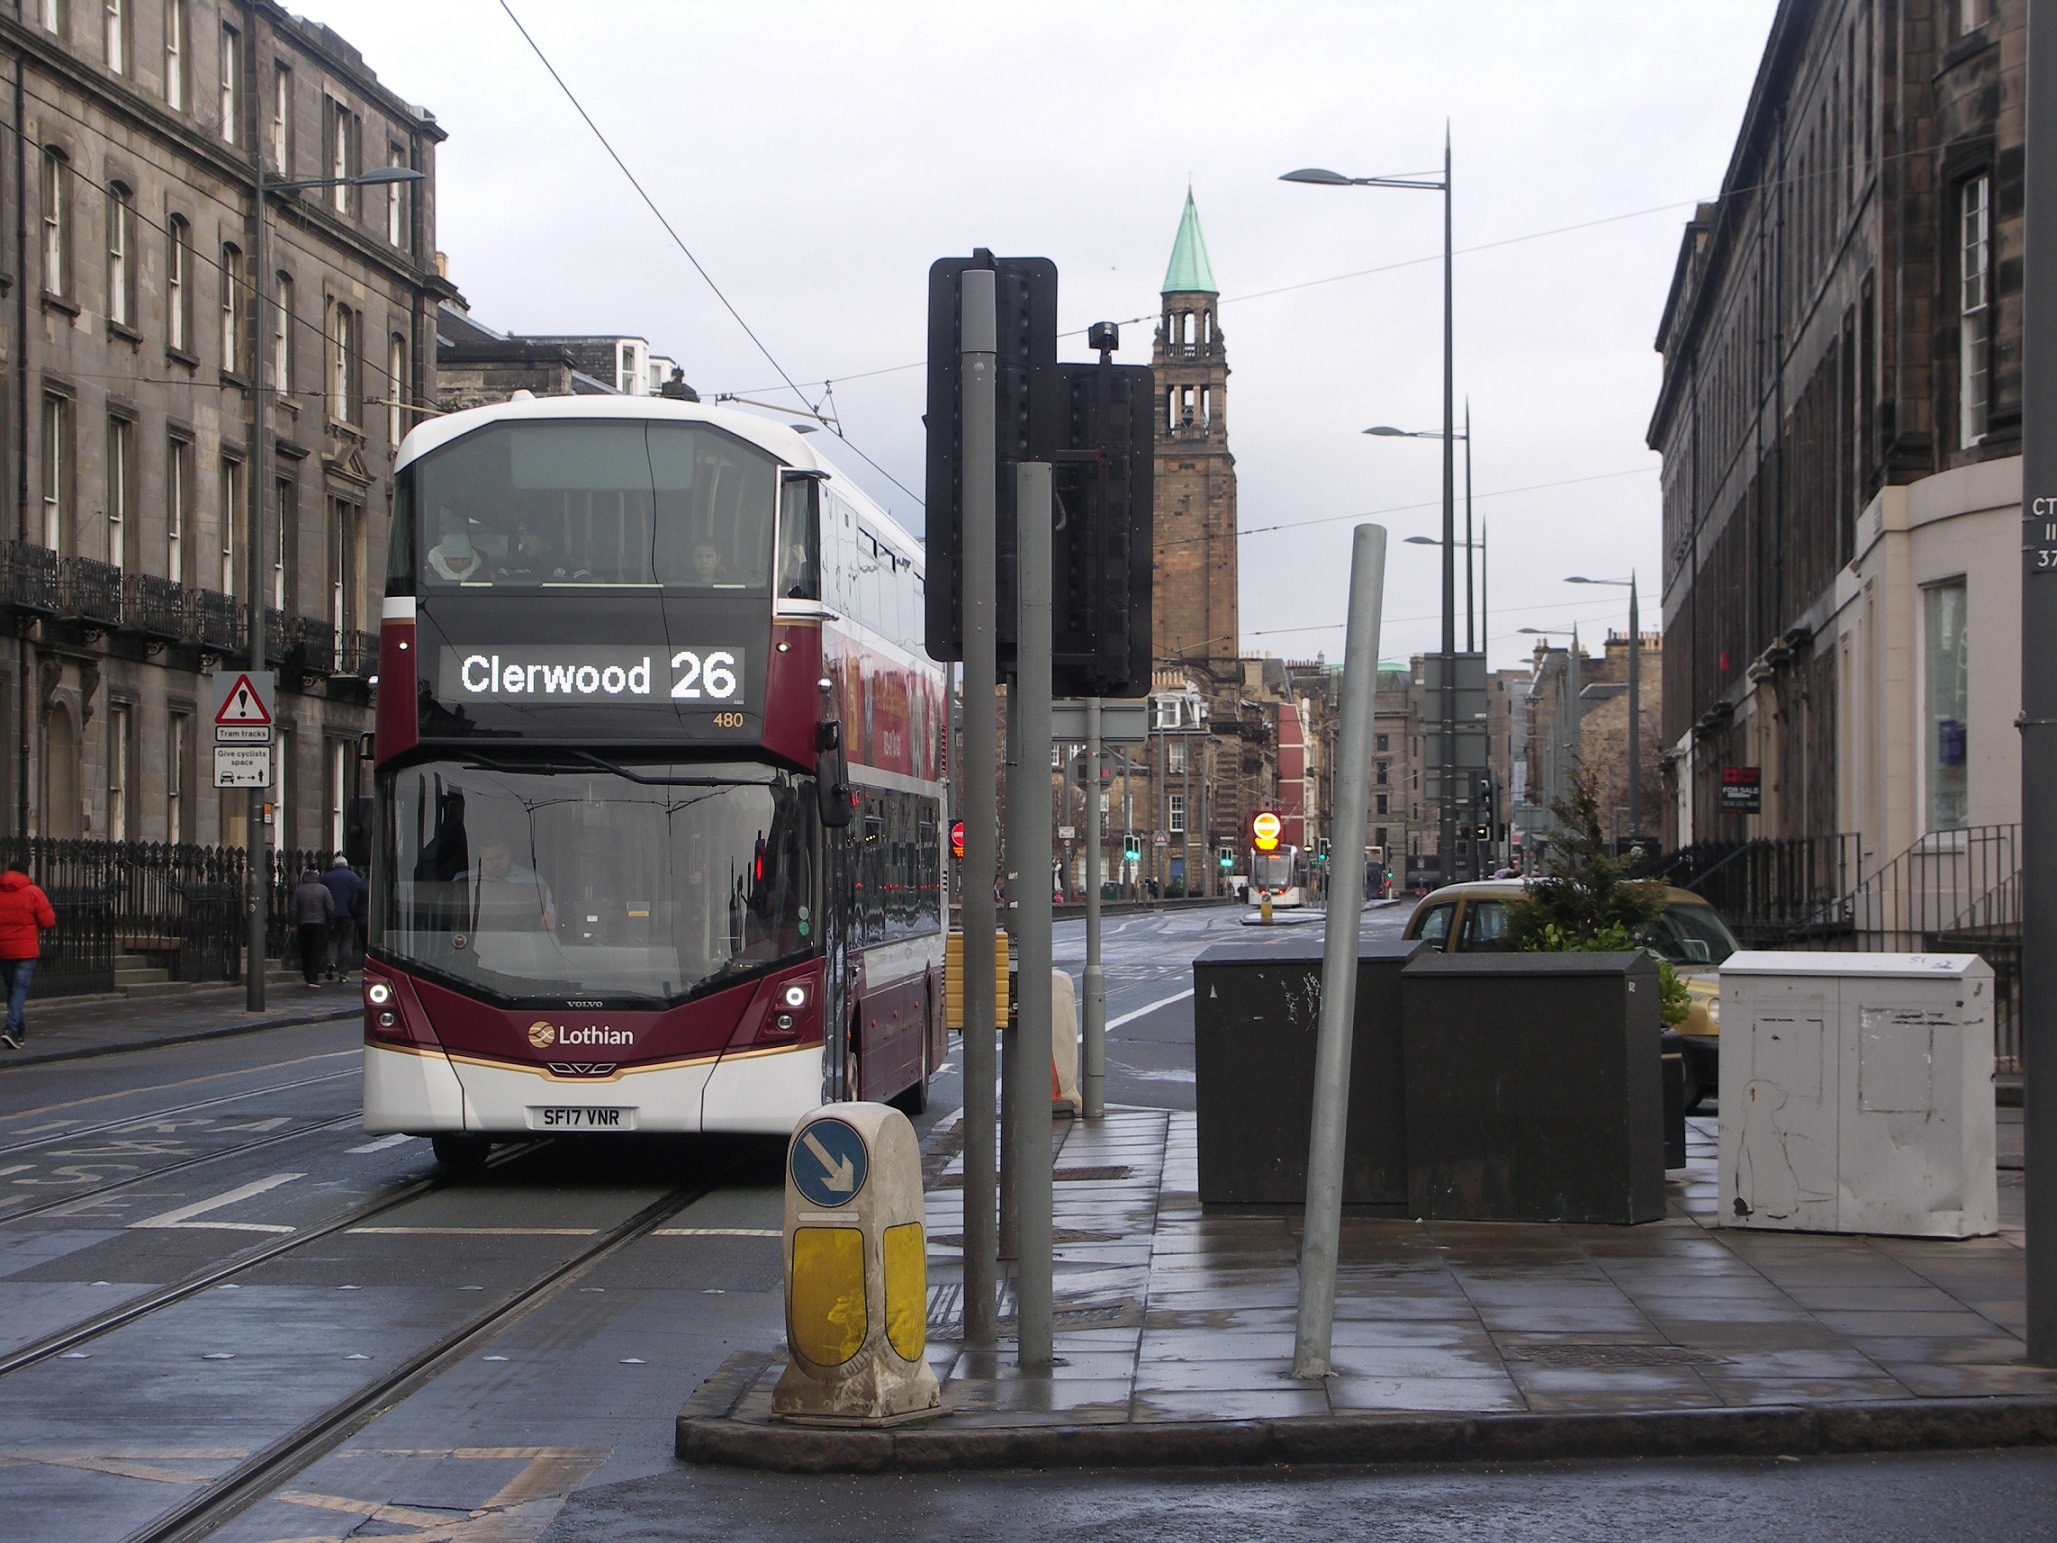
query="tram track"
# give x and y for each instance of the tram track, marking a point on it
(88, 1329)
(264, 1471)
(130, 1122)
(193, 1161)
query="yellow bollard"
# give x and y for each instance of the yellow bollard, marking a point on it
(856, 1254)
(1264, 908)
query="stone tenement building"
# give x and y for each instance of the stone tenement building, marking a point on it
(1840, 421)
(131, 331)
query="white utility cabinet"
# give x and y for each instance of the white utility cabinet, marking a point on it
(1857, 1094)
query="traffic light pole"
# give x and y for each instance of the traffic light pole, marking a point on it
(1028, 846)
(1093, 1070)
(977, 348)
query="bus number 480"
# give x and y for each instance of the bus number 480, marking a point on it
(713, 677)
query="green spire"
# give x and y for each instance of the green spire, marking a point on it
(1190, 273)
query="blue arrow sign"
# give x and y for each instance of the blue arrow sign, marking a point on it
(828, 1163)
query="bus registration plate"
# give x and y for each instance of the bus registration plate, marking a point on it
(580, 1117)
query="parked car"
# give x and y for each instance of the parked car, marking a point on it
(1472, 918)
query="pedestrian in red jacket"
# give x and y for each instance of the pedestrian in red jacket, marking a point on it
(25, 913)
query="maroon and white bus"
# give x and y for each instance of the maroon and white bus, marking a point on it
(658, 817)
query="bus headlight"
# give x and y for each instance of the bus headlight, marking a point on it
(378, 993)
(387, 1020)
(796, 994)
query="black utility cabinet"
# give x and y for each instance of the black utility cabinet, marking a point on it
(1256, 1010)
(1534, 1088)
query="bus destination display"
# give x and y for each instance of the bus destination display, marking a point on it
(660, 676)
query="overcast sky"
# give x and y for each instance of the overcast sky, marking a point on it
(816, 157)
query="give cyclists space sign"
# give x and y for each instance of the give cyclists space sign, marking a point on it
(665, 676)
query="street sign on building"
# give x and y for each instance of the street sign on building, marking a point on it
(242, 710)
(1161, 838)
(242, 766)
(1742, 790)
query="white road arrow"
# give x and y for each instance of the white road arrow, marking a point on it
(839, 1175)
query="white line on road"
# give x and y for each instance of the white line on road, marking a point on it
(181, 1216)
(718, 1232)
(382, 1143)
(1144, 1012)
(480, 1232)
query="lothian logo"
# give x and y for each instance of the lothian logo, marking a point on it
(542, 1035)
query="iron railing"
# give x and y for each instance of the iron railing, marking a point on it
(213, 621)
(29, 581)
(1773, 893)
(360, 655)
(153, 606)
(313, 653)
(91, 591)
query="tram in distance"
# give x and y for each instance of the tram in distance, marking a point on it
(1276, 876)
(657, 798)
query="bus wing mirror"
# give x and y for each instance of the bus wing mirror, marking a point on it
(832, 781)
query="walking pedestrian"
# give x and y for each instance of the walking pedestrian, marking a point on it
(349, 892)
(25, 913)
(313, 909)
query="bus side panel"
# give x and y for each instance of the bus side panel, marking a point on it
(415, 1091)
(893, 998)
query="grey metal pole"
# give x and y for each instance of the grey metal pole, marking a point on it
(1031, 843)
(2039, 686)
(1019, 811)
(1470, 632)
(977, 343)
(1635, 712)
(1093, 1069)
(1322, 1238)
(257, 868)
(1447, 818)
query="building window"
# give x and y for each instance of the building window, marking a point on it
(178, 505)
(121, 487)
(231, 83)
(1175, 813)
(56, 223)
(121, 243)
(51, 14)
(1384, 742)
(1175, 755)
(282, 117)
(396, 389)
(346, 533)
(1381, 807)
(285, 505)
(121, 741)
(232, 507)
(342, 351)
(117, 36)
(1974, 314)
(56, 458)
(178, 750)
(341, 137)
(232, 309)
(1382, 772)
(338, 780)
(1947, 686)
(178, 288)
(282, 333)
(175, 54)
(396, 199)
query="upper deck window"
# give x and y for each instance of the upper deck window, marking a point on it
(593, 504)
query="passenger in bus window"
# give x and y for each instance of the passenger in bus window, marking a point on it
(454, 558)
(530, 559)
(708, 568)
(797, 579)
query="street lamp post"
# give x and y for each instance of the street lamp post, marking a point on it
(260, 458)
(1447, 813)
(1635, 689)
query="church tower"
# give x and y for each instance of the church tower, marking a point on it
(1194, 596)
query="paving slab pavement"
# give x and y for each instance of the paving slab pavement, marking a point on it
(1174, 1336)
(71, 1028)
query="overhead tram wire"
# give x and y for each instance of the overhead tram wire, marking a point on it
(813, 408)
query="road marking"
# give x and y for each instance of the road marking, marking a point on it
(382, 1143)
(718, 1232)
(1144, 1012)
(480, 1231)
(182, 1216)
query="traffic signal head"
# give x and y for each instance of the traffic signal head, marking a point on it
(1227, 858)
(1133, 848)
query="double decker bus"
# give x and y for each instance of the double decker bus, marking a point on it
(657, 800)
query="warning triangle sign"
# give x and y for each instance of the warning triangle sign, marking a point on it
(243, 705)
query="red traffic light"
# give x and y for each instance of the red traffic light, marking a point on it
(957, 839)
